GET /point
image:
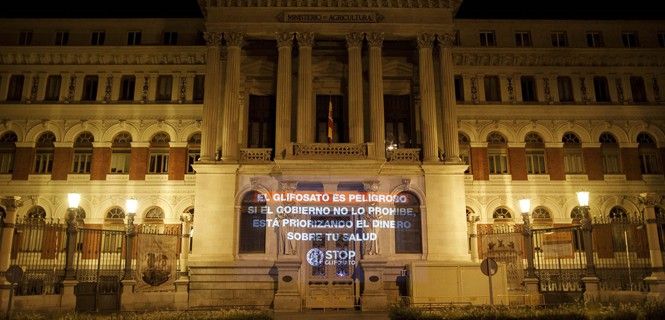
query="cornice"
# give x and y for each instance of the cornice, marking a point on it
(453, 4)
(107, 55)
(615, 57)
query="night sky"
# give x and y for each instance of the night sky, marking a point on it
(507, 9)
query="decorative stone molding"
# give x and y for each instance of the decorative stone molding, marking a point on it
(305, 39)
(146, 55)
(443, 4)
(446, 40)
(405, 155)
(255, 155)
(375, 39)
(213, 38)
(284, 39)
(549, 57)
(341, 151)
(354, 39)
(425, 40)
(233, 39)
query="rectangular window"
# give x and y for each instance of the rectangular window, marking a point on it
(97, 38)
(170, 38)
(43, 162)
(6, 161)
(133, 38)
(53, 84)
(487, 38)
(81, 162)
(594, 39)
(638, 89)
(528, 85)
(15, 90)
(164, 87)
(261, 122)
(565, 85)
(459, 88)
(90, 88)
(193, 155)
(339, 118)
(535, 161)
(199, 87)
(25, 38)
(120, 161)
(649, 163)
(127, 87)
(601, 89)
(611, 161)
(523, 39)
(629, 39)
(559, 39)
(492, 89)
(398, 121)
(661, 39)
(572, 160)
(159, 162)
(498, 161)
(61, 38)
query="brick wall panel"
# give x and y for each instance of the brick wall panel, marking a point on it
(630, 161)
(479, 164)
(177, 163)
(62, 163)
(593, 163)
(517, 162)
(101, 162)
(23, 161)
(555, 166)
(138, 165)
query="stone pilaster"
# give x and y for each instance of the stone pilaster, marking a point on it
(231, 103)
(428, 98)
(306, 112)
(11, 204)
(450, 141)
(377, 131)
(354, 42)
(284, 102)
(212, 98)
(657, 278)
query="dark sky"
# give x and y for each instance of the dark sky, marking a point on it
(535, 9)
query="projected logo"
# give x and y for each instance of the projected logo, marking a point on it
(315, 257)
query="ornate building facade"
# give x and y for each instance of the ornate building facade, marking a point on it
(458, 117)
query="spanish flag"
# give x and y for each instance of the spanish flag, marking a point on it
(331, 122)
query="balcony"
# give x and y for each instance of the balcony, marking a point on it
(330, 151)
(403, 155)
(255, 155)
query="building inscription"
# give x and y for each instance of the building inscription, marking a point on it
(328, 17)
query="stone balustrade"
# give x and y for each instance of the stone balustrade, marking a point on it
(255, 155)
(328, 151)
(404, 155)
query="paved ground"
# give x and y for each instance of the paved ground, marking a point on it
(332, 315)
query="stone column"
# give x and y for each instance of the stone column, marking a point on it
(306, 110)
(354, 42)
(450, 130)
(152, 88)
(10, 204)
(41, 86)
(428, 98)
(115, 87)
(656, 280)
(231, 103)
(284, 102)
(213, 95)
(377, 131)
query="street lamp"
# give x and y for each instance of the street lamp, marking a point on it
(583, 201)
(131, 205)
(525, 208)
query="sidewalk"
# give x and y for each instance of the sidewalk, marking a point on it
(332, 315)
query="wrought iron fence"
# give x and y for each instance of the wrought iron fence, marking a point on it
(505, 244)
(559, 259)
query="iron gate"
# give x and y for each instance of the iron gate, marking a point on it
(99, 269)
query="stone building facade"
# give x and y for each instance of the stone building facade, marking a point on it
(462, 116)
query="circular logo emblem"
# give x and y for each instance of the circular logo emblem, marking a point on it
(315, 257)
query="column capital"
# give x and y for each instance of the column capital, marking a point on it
(12, 202)
(354, 39)
(233, 39)
(425, 40)
(284, 39)
(305, 39)
(649, 199)
(375, 39)
(446, 40)
(213, 38)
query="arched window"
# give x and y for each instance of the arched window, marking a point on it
(159, 153)
(193, 150)
(408, 237)
(115, 215)
(465, 150)
(44, 153)
(573, 160)
(114, 219)
(497, 153)
(577, 214)
(154, 214)
(535, 154)
(618, 213)
(502, 213)
(36, 213)
(33, 235)
(648, 151)
(620, 235)
(121, 149)
(609, 149)
(7, 151)
(541, 213)
(252, 239)
(82, 153)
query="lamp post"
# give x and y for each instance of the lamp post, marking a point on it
(525, 208)
(583, 201)
(73, 200)
(131, 205)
